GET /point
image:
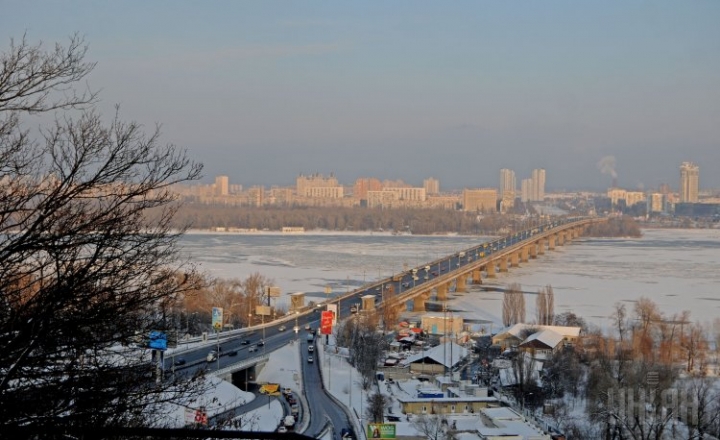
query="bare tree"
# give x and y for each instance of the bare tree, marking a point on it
(540, 307)
(513, 305)
(433, 427)
(88, 257)
(545, 306)
(376, 403)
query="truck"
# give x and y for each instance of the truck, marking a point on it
(310, 337)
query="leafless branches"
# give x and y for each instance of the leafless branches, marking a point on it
(84, 266)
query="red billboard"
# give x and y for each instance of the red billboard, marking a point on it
(326, 321)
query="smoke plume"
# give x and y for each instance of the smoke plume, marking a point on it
(607, 166)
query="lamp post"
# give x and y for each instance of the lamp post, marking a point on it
(297, 329)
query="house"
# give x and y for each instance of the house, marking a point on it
(438, 359)
(542, 344)
(516, 334)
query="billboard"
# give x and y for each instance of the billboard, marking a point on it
(217, 318)
(332, 308)
(263, 310)
(273, 291)
(326, 322)
(381, 430)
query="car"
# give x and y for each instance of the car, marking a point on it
(180, 361)
(310, 359)
(291, 399)
(212, 356)
(281, 429)
(286, 391)
(232, 352)
(261, 343)
(307, 327)
(311, 348)
(252, 349)
(282, 328)
(246, 342)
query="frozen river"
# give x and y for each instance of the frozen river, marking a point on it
(678, 269)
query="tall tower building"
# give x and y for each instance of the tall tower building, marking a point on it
(431, 185)
(507, 189)
(526, 190)
(689, 178)
(222, 185)
(507, 183)
(538, 182)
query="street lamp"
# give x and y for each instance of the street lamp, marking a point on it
(297, 329)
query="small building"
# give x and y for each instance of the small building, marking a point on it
(445, 405)
(513, 336)
(442, 324)
(437, 360)
(542, 344)
(506, 424)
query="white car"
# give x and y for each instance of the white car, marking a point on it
(311, 348)
(281, 328)
(310, 359)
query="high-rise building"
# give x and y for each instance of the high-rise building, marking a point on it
(222, 185)
(526, 190)
(432, 186)
(507, 189)
(538, 182)
(689, 178)
(507, 183)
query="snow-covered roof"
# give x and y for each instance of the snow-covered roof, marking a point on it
(502, 422)
(450, 351)
(517, 330)
(547, 337)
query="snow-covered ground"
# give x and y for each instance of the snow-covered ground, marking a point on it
(675, 268)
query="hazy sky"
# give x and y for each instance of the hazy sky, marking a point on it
(265, 90)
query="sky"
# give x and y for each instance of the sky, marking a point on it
(264, 91)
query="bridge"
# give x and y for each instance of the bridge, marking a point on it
(439, 277)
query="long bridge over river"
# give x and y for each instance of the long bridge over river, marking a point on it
(435, 279)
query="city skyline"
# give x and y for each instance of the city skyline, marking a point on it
(263, 91)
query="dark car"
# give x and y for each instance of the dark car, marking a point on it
(180, 361)
(246, 342)
(261, 343)
(232, 353)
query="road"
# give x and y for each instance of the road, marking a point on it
(322, 407)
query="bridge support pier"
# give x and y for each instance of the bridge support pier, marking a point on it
(441, 292)
(461, 283)
(490, 269)
(503, 264)
(524, 254)
(477, 276)
(515, 259)
(551, 243)
(419, 302)
(560, 239)
(541, 246)
(533, 250)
